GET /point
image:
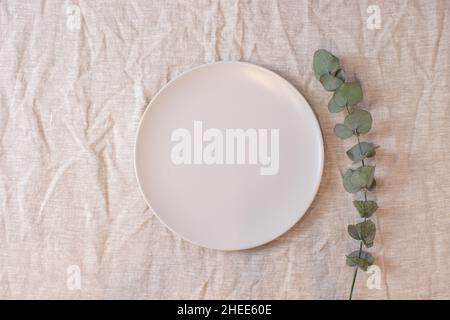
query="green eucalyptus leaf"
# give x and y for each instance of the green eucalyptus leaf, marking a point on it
(333, 107)
(340, 74)
(330, 82)
(353, 232)
(350, 93)
(365, 208)
(341, 131)
(373, 185)
(346, 179)
(366, 232)
(324, 63)
(362, 151)
(361, 259)
(360, 120)
(362, 177)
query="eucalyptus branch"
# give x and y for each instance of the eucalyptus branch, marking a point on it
(360, 180)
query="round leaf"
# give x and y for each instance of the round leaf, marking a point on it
(330, 82)
(324, 63)
(341, 131)
(333, 107)
(373, 185)
(349, 187)
(360, 120)
(365, 208)
(366, 232)
(340, 74)
(361, 151)
(348, 94)
(361, 259)
(362, 177)
(353, 232)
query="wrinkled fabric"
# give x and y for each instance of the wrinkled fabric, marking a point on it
(75, 78)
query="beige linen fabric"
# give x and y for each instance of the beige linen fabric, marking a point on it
(72, 92)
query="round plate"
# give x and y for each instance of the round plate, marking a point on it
(229, 155)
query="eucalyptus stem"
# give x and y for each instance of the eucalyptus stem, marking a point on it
(365, 199)
(355, 274)
(346, 96)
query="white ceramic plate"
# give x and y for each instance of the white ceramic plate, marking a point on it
(229, 203)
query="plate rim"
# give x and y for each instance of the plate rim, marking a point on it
(291, 88)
